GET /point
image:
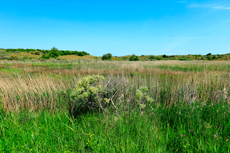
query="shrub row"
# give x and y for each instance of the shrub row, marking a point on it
(59, 52)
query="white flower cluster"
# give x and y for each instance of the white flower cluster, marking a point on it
(142, 97)
(87, 91)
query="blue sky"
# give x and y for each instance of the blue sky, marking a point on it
(120, 27)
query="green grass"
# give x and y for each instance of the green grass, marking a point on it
(157, 129)
(190, 112)
(10, 70)
(195, 67)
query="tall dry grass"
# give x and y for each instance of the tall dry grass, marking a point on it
(42, 85)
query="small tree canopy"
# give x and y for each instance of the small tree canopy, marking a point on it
(152, 57)
(107, 56)
(54, 49)
(134, 58)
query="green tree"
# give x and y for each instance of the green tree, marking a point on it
(107, 56)
(44, 56)
(134, 58)
(152, 57)
(54, 49)
(54, 53)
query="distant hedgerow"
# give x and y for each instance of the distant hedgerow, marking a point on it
(134, 58)
(44, 56)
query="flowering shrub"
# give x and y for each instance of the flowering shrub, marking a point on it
(142, 97)
(86, 93)
(96, 92)
(93, 92)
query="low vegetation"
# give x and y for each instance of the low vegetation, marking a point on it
(134, 58)
(107, 57)
(114, 106)
(41, 54)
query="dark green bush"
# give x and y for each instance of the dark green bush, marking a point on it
(183, 59)
(37, 53)
(54, 53)
(134, 58)
(125, 58)
(54, 49)
(107, 56)
(152, 57)
(44, 56)
(60, 52)
(12, 58)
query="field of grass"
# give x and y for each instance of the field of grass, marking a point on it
(189, 111)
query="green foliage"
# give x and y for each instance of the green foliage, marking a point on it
(53, 54)
(12, 58)
(143, 98)
(157, 129)
(197, 55)
(152, 57)
(188, 113)
(183, 59)
(59, 52)
(159, 58)
(107, 56)
(36, 53)
(54, 49)
(132, 74)
(125, 58)
(88, 94)
(44, 56)
(95, 92)
(134, 58)
(209, 58)
(87, 90)
(1, 104)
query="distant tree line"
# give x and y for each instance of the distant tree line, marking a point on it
(54, 49)
(54, 53)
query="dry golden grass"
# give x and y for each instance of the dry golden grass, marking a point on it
(77, 57)
(24, 54)
(38, 85)
(33, 93)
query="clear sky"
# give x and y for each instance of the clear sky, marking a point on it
(120, 27)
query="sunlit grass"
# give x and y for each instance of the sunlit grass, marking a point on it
(190, 112)
(158, 129)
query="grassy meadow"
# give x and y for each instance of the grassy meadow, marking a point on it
(189, 110)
